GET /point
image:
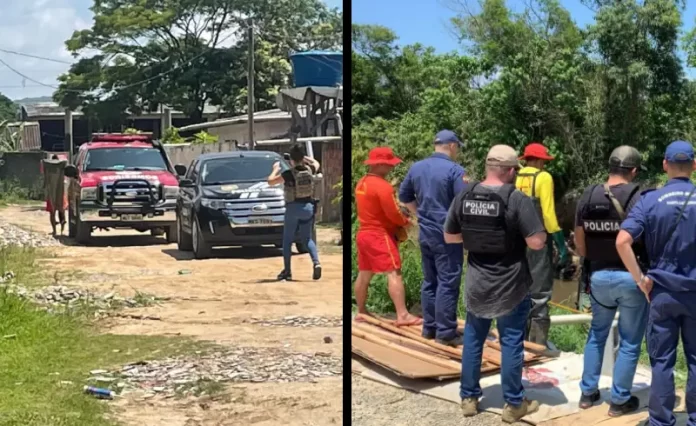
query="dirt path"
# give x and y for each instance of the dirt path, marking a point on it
(213, 300)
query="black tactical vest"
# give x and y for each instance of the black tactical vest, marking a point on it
(484, 227)
(601, 222)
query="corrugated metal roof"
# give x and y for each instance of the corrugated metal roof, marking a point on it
(259, 117)
(52, 109)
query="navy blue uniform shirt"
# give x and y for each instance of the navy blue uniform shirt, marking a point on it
(672, 256)
(432, 183)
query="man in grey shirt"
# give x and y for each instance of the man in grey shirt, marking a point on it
(496, 223)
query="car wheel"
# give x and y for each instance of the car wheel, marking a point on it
(201, 249)
(184, 241)
(83, 231)
(72, 229)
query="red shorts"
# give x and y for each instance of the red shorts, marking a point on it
(377, 252)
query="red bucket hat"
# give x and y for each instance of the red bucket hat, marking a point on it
(536, 150)
(382, 155)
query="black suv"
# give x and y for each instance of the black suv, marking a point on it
(225, 200)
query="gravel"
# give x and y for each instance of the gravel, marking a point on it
(297, 321)
(14, 235)
(190, 375)
(376, 404)
(57, 299)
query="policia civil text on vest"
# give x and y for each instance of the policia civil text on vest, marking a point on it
(484, 226)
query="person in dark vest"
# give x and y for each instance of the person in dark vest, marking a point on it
(428, 191)
(537, 183)
(599, 214)
(664, 220)
(298, 183)
(496, 223)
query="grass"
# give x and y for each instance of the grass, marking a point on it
(11, 192)
(45, 350)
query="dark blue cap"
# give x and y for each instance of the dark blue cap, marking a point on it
(447, 136)
(679, 152)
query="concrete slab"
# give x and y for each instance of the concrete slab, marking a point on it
(554, 384)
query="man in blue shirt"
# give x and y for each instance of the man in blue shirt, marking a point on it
(665, 220)
(428, 190)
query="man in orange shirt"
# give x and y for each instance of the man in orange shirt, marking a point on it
(380, 221)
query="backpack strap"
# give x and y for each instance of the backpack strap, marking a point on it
(534, 177)
(617, 205)
(508, 189)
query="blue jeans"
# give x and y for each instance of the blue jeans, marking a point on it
(614, 289)
(442, 278)
(298, 220)
(511, 328)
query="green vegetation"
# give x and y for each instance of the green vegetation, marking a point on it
(11, 192)
(527, 75)
(186, 54)
(46, 358)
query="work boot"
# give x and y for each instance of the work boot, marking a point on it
(427, 334)
(469, 407)
(616, 410)
(513, 414)
(284, 276)
(587, 401)
(458, 340)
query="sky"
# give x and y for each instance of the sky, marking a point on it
(40, 28)
(427, 21)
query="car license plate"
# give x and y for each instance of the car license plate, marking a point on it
(260, 221)
(131, 217)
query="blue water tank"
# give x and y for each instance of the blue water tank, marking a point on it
(316, 68)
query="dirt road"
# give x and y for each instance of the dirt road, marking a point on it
(213, 300)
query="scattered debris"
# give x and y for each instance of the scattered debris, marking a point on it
(298, 321)
(99, 392)
(138, 317)
(57, 299)
(192, 375)
(9, 336)
(14, 235)
(328, 339)
(184, 272)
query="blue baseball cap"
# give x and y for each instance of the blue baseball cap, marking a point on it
(679, 152)
(447, 136)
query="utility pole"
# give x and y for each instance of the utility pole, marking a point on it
(69, 134)
(250, 85)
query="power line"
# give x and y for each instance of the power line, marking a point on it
(26, 77)
(43, 58)
(162, 74)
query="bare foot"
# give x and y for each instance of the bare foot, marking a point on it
(408, 320)
(360, 315)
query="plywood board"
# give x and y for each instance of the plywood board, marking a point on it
(399, 363)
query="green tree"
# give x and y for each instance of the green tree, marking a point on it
(188, 53)
(8, 109)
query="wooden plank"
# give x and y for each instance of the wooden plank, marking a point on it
(405, 341)
(440, 362)
(490, 355)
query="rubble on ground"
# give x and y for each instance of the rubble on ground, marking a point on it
(187, 375)
(59, 298)
(14, 235)
(297, 321)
